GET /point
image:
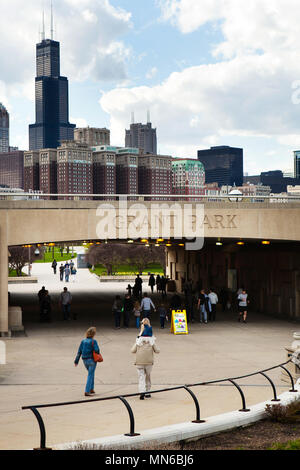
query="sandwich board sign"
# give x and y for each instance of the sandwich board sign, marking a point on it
(179, 322)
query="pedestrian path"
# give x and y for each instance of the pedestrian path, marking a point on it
(40, 366)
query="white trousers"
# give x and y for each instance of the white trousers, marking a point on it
(144, 374)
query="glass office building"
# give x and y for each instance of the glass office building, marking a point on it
(223, 165)
(297, 164)
(52, 100)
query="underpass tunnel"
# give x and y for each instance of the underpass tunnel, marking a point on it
(92, 300)
(268, 270)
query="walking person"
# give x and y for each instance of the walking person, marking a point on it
(162, 315)
(86, 348)
(65, 301)
(139, 284)
(117, 311)
(213, 301)
(243, 305)
(152, 282)
(73, 273)
(163, 286)
(61, 272)
(127, 309)
(144, 349)
(158, 283)
(202, 306)
(137, 313)
(54, 266)
(67, 272)
(146, 306)
(46, 308)
(129, 289)
(41, 295)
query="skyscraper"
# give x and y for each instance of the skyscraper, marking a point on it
(223, 165)
(297, 164)
(52, 100)
(4, 129)
(142, 136)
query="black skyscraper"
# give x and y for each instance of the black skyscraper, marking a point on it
(52, 100)
(223, 165)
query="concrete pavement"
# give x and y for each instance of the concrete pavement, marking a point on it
(40, 366)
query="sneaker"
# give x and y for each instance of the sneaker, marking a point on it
(142, 397)
(88, 395)
(148, 395)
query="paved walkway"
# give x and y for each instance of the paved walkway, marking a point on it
(40, 366)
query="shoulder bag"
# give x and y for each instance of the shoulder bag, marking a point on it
(97, 357)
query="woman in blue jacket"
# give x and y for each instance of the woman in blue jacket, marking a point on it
(86, 348)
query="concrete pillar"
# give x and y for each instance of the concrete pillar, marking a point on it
(3, 275)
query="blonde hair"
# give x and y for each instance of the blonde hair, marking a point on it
(91, 332)
(146, 321)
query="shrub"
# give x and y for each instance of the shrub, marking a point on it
(283, 414)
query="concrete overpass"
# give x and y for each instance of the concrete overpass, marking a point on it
(44, 221)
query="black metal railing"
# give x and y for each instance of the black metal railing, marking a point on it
(123, 399)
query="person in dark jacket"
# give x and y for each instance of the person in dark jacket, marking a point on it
(152, 282)
(128, 309)
(54, 266)
(158, 283)
(162, 312)
(117, 311)
(45, 306)
(86, 348)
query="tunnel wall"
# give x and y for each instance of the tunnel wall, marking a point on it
(271, 275)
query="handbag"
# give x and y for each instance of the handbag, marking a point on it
(97, 357)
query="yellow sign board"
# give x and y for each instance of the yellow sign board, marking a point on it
(179, 322)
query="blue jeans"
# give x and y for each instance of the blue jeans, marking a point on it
(90, 366)
(137, 322)
(203, 313)
(66, 311)
(147, 313)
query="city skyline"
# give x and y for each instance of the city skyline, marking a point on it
(179, 59)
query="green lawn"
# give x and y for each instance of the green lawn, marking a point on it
(48, 257)
(13, 273)
(153, 268)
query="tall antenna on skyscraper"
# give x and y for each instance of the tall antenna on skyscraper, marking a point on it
(52, 29)
(148, 117)
(132, 118)
(43, 31)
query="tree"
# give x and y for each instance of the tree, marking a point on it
(141, 256)
(112, 254)
(108, 255)
(20, 256)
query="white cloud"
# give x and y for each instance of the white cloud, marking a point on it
(89, 33)
(247, 94)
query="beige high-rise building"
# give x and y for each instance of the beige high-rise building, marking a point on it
(92, 136)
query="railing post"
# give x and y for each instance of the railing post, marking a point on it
(273, 386)
(197, 420)
(131, 417)
(291, 377)
(242, 395)
(42, 430)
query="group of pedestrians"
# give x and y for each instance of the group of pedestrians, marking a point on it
(45, 303)
(67, 271)
(159, 281)
(143, 348)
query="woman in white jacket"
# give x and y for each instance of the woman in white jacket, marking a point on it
(144, 348)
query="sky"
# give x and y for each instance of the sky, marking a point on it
(211, 72)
